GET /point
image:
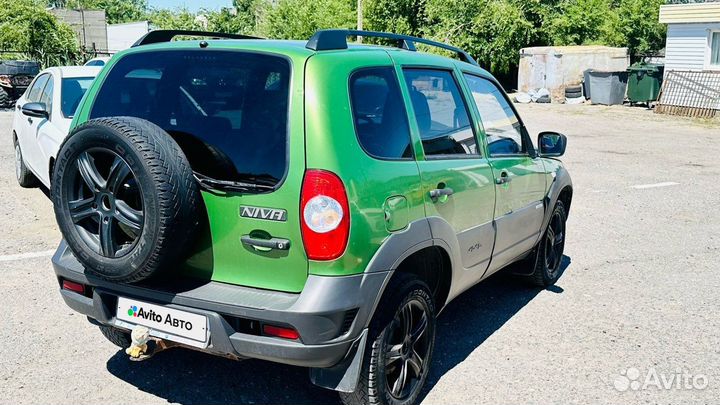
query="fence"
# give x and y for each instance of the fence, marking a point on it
(48, 59)
(690, 94)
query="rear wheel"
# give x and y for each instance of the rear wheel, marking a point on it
(116, 336)
(24, 176)
(400, 346)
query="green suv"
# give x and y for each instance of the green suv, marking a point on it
(313, 203)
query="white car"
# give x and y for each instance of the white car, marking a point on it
(42, 119)
(100, 61)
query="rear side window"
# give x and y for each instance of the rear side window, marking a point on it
(441, 113)
(379, 113)
(228, 111)
(73, 88)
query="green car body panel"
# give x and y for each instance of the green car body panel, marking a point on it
(385, 196)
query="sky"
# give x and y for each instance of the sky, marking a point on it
(192, 5)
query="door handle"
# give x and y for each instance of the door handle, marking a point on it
(440, 193)
(30, 121)
(265, 245)
(504, 178)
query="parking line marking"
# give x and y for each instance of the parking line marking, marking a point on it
(30, 255)
(655, 185)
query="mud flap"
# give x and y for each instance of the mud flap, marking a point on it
(343, 376)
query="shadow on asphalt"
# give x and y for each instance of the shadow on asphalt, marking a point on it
(189, 377)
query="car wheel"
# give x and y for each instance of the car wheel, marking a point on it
(125, 198)
(116, 336)
(400, 346)
(24, 176)
(549, 251)
(5, 99)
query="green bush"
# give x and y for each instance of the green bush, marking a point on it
(27, 27)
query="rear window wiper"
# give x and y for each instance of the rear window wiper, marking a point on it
(259, 179)
(209, 183)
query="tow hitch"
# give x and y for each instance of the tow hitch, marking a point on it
(145, 346)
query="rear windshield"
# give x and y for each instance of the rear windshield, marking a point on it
(227, 110)
(73, 88)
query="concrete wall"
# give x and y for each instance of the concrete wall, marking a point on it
(688, 46)
(122, 36)
(556, 68)
(89, 25)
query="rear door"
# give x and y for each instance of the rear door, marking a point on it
(456, 177)
(230, 113)
(519, 176)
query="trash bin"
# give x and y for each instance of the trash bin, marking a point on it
(586, 83)
(644, 81)
(608, 88)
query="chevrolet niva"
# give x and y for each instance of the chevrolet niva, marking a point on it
(313, 203)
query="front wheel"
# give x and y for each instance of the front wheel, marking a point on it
(549, 252)
(400, 346)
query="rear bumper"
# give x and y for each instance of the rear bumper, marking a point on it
(330, 314)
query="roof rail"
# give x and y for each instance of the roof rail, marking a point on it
(157, 36)
(324, 40)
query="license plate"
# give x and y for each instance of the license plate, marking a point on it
(158, 318)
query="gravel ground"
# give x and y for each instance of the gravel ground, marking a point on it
(639, 296)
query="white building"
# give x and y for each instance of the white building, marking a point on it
(693, 37)
(692, 58)
(122, 36)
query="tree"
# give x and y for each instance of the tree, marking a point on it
(178, 19)
(26, 26)
(579, 22)
(398, 16)
(492, 31)
(247, 13)
(299, 19)
(638, 27)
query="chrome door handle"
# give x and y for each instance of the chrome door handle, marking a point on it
(437, 193)
(265, 245)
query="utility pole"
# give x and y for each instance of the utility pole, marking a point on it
(359, 18)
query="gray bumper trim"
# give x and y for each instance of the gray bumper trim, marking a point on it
(318, 313)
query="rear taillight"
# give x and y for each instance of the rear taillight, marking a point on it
(325, 219)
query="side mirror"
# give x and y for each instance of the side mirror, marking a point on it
(38, 110)
(552, 144)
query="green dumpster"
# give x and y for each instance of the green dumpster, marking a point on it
(644, 82)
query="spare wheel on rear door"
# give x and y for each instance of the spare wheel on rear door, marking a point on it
(125, 198)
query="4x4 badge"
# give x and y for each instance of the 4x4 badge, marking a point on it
(270, 214)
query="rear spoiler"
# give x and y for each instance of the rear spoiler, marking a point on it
(158, 36)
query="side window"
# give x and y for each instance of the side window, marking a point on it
(379, 113)
(441, 113)
(502, 128)
(46, 95)
(35, 90)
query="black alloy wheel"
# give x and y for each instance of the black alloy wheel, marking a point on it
(406, 350)
(105, 202)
